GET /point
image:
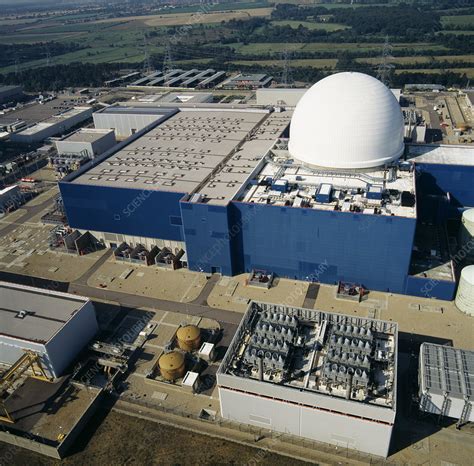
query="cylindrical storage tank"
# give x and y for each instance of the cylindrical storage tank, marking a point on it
(189, 337)
(172, 365)
(467, 232)
(465, 295)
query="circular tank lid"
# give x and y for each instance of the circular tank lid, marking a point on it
(188, 333)
(172, 360)
(467, 274)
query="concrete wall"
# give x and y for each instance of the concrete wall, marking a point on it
(433, 403)
(61, 350)
(11, 349)
(312, 423)
(64, 347)
(97, 147)
(284, 97)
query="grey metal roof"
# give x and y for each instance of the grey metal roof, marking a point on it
(447, 370)
(180, 154)
(47, 311)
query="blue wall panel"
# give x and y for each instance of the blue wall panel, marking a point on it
(430, 288)
(458, 180)
(151, 214)
(206, 231)
(323, 245)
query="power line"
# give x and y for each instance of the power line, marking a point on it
(167, 60)
(385, 68)
(286, 77)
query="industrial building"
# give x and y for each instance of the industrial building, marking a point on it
(248, 81)
(126, 121)
(77, 148)
(88, 141)
(194, 78)
(10, 198)
(9, 93)
(324, 376)
(55, 326)
(446, 380)
(233, 189)
(53, 126)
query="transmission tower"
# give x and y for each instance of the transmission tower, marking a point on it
(146, 61)
(48, 56)
(167, 60)
(286, 77)
(384, 68)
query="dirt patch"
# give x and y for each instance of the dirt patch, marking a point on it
(120, 439)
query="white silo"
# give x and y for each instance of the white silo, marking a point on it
(467, 232)
(465, 295)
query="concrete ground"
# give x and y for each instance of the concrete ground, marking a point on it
(154, 282)
(233, 294)
(26, 251)
(154, 391)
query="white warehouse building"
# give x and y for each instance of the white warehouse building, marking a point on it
(53, 126)
(126, 120)
(319, 375)
(55, 325)
(89, 142)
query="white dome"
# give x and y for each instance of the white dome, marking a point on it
(347, 120)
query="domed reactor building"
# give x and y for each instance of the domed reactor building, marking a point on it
(325, 191)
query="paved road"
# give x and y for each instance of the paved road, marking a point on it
(130, 300)
(31, 212)
(206, 291)
(311, 295)
(82, 280)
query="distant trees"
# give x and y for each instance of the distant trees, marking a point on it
(57, 77)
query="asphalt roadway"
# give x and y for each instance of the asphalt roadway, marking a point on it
(31, 211)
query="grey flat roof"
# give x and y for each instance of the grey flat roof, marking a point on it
(118, 110)
(182, 152)
(441, 154)
(447, 370)
(88, 135)
(48, 311)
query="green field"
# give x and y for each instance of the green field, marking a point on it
(323, 63)
(468, 71)
(462, 20)
(330, 27)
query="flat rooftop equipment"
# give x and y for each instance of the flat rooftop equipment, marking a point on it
(313, 373)
(446, 381)
(342, 190)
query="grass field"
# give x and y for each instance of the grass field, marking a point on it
(192, 19)
(421, 60)
(330, 27)
(462, 20)
(322, 63)
(469, 71)
(269, 48)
